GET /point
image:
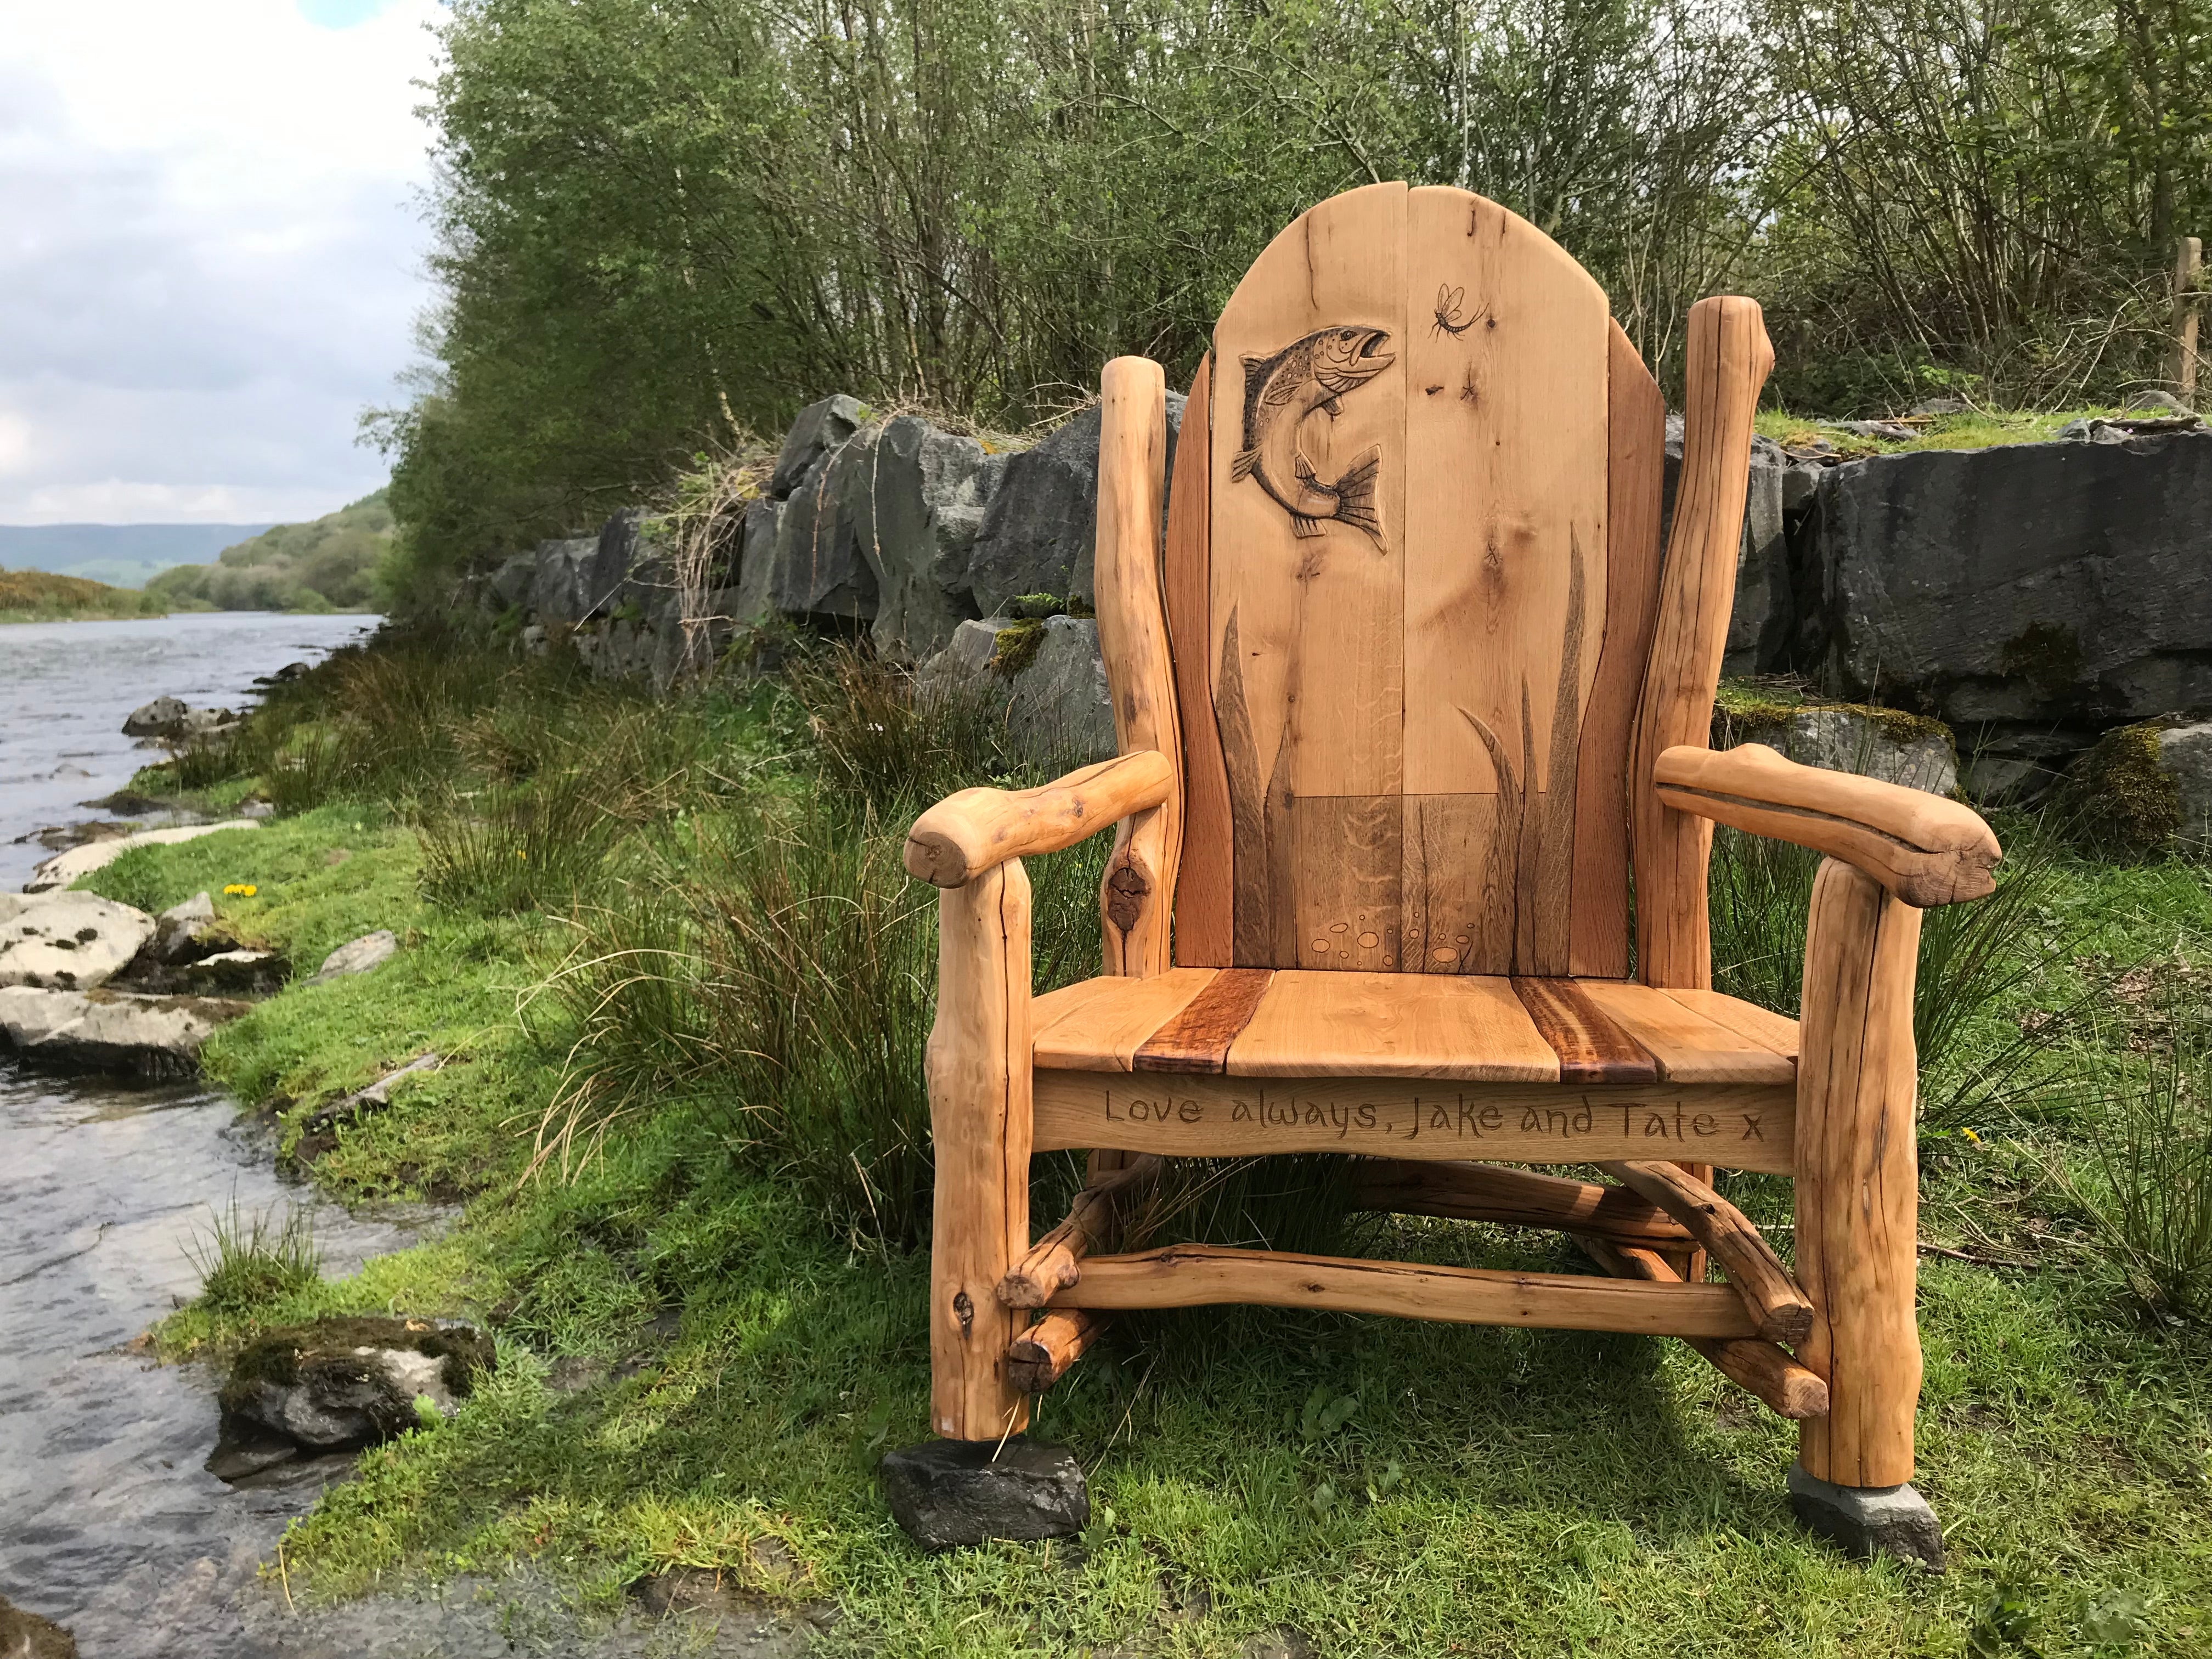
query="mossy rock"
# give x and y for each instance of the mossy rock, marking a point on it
(2119, 799)
(344, 1382)
(1018, 646)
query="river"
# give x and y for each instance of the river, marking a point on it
(109, 1523)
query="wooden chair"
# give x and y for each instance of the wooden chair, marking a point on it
(1404, 692)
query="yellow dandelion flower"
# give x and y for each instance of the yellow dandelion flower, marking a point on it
(240, 890)
(519, 854)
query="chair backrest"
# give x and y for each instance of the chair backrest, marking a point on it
(1410, 576)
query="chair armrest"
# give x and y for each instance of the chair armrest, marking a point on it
(1924, 848)
(977, 829)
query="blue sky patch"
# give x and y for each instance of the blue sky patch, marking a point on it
(340, 14)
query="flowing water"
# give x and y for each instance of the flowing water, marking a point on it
(109, 1523)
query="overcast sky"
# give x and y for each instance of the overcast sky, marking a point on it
(210, 252)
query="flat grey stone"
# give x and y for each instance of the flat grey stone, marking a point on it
(68, 941)
(1868, 1521)
(950, 1493)
(359, 956)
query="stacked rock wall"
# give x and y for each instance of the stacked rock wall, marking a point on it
(2031, 596)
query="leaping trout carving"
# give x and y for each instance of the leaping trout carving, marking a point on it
(1307, 376)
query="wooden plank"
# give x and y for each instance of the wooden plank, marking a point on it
(1506, 567)
(1459, 892)
(1781, 1308)
(978, 1074)
(1590, 1047)
(1136, 893)
(1199, 1275)
(1857, 1189)
(1511, 1198)
(1725, 359)
(1104, 1033)
(1688, 1046)
(1746, 1019)
(1198, 1038)
(970, 830)
(1051, 1006)
(1760, 1368)
(1307, 491)
(1042, 1355)
(1351, 1024)
(1636, 426)
(1736, 1125)
(1055, 1261)
(1205, 877)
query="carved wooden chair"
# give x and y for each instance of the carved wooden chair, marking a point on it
(1405, 690)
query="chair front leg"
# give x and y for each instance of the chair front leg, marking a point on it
(979, 1077)
(1857, 1175)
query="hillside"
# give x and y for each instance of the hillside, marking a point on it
(41, 596)
(119, 555)
(324, 565)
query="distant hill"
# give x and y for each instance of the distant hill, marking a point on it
(120, 555)
(42, 596)
(326, 565)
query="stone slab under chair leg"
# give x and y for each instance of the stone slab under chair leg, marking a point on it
(1868, 1521)
(948, 1494)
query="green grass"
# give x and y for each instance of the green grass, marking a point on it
(1488, 1492)
(1975, 430)
(32, 596)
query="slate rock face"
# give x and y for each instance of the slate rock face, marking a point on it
(820, 428)
(1041, 529)
(815, 572)
(336, 1384)
(916, 498)
(1057, 709)
(1875, 743)
(2030, 596)
(950, 1493)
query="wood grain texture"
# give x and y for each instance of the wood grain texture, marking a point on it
(1688, 1047)
(1736, 1125)
(1350, 1024)
(1636, 465)
(1782, 1311)
(1759, 1368)
(1197, 1275)
(1104, 1031)
(1205, 877)
(1505, 561)
(1514, 1197)
(1042, 1355)
(1858, 1182)
(1746, 1019)
(1925, 848)
(1198, 1038)
(1136, 894)
(979, 1077)
(1590, 1047)
(1055, 1262)
(1307, 497)
(971, 831)
(1725, 362)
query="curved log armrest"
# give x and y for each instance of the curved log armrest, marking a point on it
(1926, 849)
(977, 829)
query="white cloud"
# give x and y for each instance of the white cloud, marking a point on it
(210, 252)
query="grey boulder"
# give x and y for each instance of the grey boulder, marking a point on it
(164, 717)
(821, 426)
(339, 1384)
(358, 955)
(1057, 709)
(1868, 1521)
(67, 941)
(916, 496)
(1875, 743)
(105, 1031)
(948, 1494)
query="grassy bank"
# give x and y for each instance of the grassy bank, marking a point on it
(28, 595)
(681, 986)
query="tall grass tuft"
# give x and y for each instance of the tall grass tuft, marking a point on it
(248, 1260)
(2148, 1187)
(880, 732)
(541, 846)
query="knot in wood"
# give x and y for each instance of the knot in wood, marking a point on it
(1126, 890)
(964, 1306)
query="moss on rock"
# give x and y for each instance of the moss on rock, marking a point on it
(277, 1358)
(2118, 799)
(1018, 646)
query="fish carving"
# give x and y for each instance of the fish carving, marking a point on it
(1279, 392)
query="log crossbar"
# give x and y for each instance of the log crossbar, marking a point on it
(1196, 1276)
(1462, 1191)
(1755, 1271)
(1039, 1355)
(1055, 1261)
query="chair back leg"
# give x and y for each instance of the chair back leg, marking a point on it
(1857, 1175)
(978, 1071)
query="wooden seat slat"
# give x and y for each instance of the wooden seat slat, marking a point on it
(1746, 1019)
(1468, 1028)
(1102, 1031)
(1591, 1046)
(1688, 1046)
(1198, 1038)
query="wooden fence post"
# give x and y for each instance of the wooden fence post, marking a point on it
(2181, 360)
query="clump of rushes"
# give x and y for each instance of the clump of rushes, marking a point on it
(880, 734)
(248, 1260)
(543, 846)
